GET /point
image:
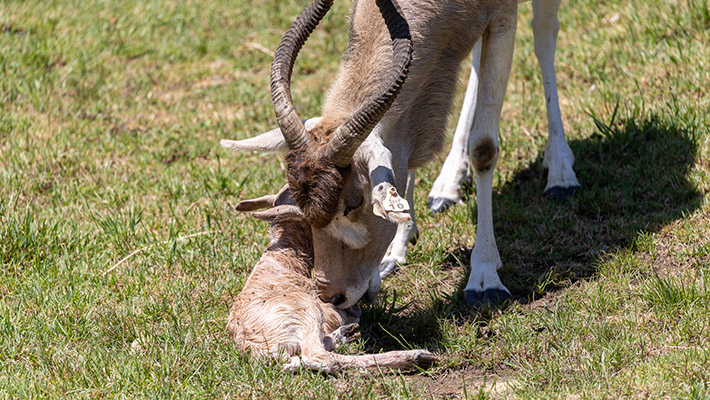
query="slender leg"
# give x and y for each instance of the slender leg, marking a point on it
(342, 335)
(456, 171)
(561, 179)
(484, 285)
(407, 232)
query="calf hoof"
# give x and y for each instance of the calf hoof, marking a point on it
(439, 204)
(487, 298)
(344, 334)
(425, 359)
(388, 268)
(561, 193)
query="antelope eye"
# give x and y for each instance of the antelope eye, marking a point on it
(352, 204)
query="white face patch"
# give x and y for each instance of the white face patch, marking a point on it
(353, 234)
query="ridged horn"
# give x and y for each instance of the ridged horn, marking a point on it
(350, 135)
(292, 129)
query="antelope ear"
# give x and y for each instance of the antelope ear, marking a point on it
(280, 214)
(283, 197)
(256, 204)
(271, 141)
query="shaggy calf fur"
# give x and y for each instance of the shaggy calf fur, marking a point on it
(278, 313)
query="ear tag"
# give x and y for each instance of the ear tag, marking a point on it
(392, 207)
(394, 203)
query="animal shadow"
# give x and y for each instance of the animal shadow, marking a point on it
(634, 180)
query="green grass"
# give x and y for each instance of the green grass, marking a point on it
(119, 252)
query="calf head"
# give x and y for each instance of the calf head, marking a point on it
(288, 225)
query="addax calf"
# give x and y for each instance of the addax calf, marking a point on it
(278, 313)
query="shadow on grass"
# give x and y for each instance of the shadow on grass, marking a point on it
(634, 180)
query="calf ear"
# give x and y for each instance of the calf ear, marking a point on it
(283, 197)
(280, 214)
(256, 204)
(270, 141)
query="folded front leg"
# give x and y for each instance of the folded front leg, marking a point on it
(342, 335)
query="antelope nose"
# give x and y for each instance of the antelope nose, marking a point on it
(338, 299)
(367, 298)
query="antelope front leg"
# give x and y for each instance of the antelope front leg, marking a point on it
(484, 285)
(456, 171)
(407, 232)
(561, 179)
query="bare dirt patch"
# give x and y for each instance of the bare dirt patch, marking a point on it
(462, 383)
(681, 246)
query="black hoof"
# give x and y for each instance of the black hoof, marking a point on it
(438, 205)
(488, 298)
(388, 268)
(561, 193)
(425, 360)
(413, 240)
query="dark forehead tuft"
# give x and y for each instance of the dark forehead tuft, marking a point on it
(316, 186)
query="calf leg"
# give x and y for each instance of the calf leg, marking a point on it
(342, 335)
(333, 363)
(456, 171)
(561, 179)
(407, 232)
(484, 285)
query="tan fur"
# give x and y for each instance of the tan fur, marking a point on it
(443, 34)
(278, 313)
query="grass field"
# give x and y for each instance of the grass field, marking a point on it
(120, 254)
